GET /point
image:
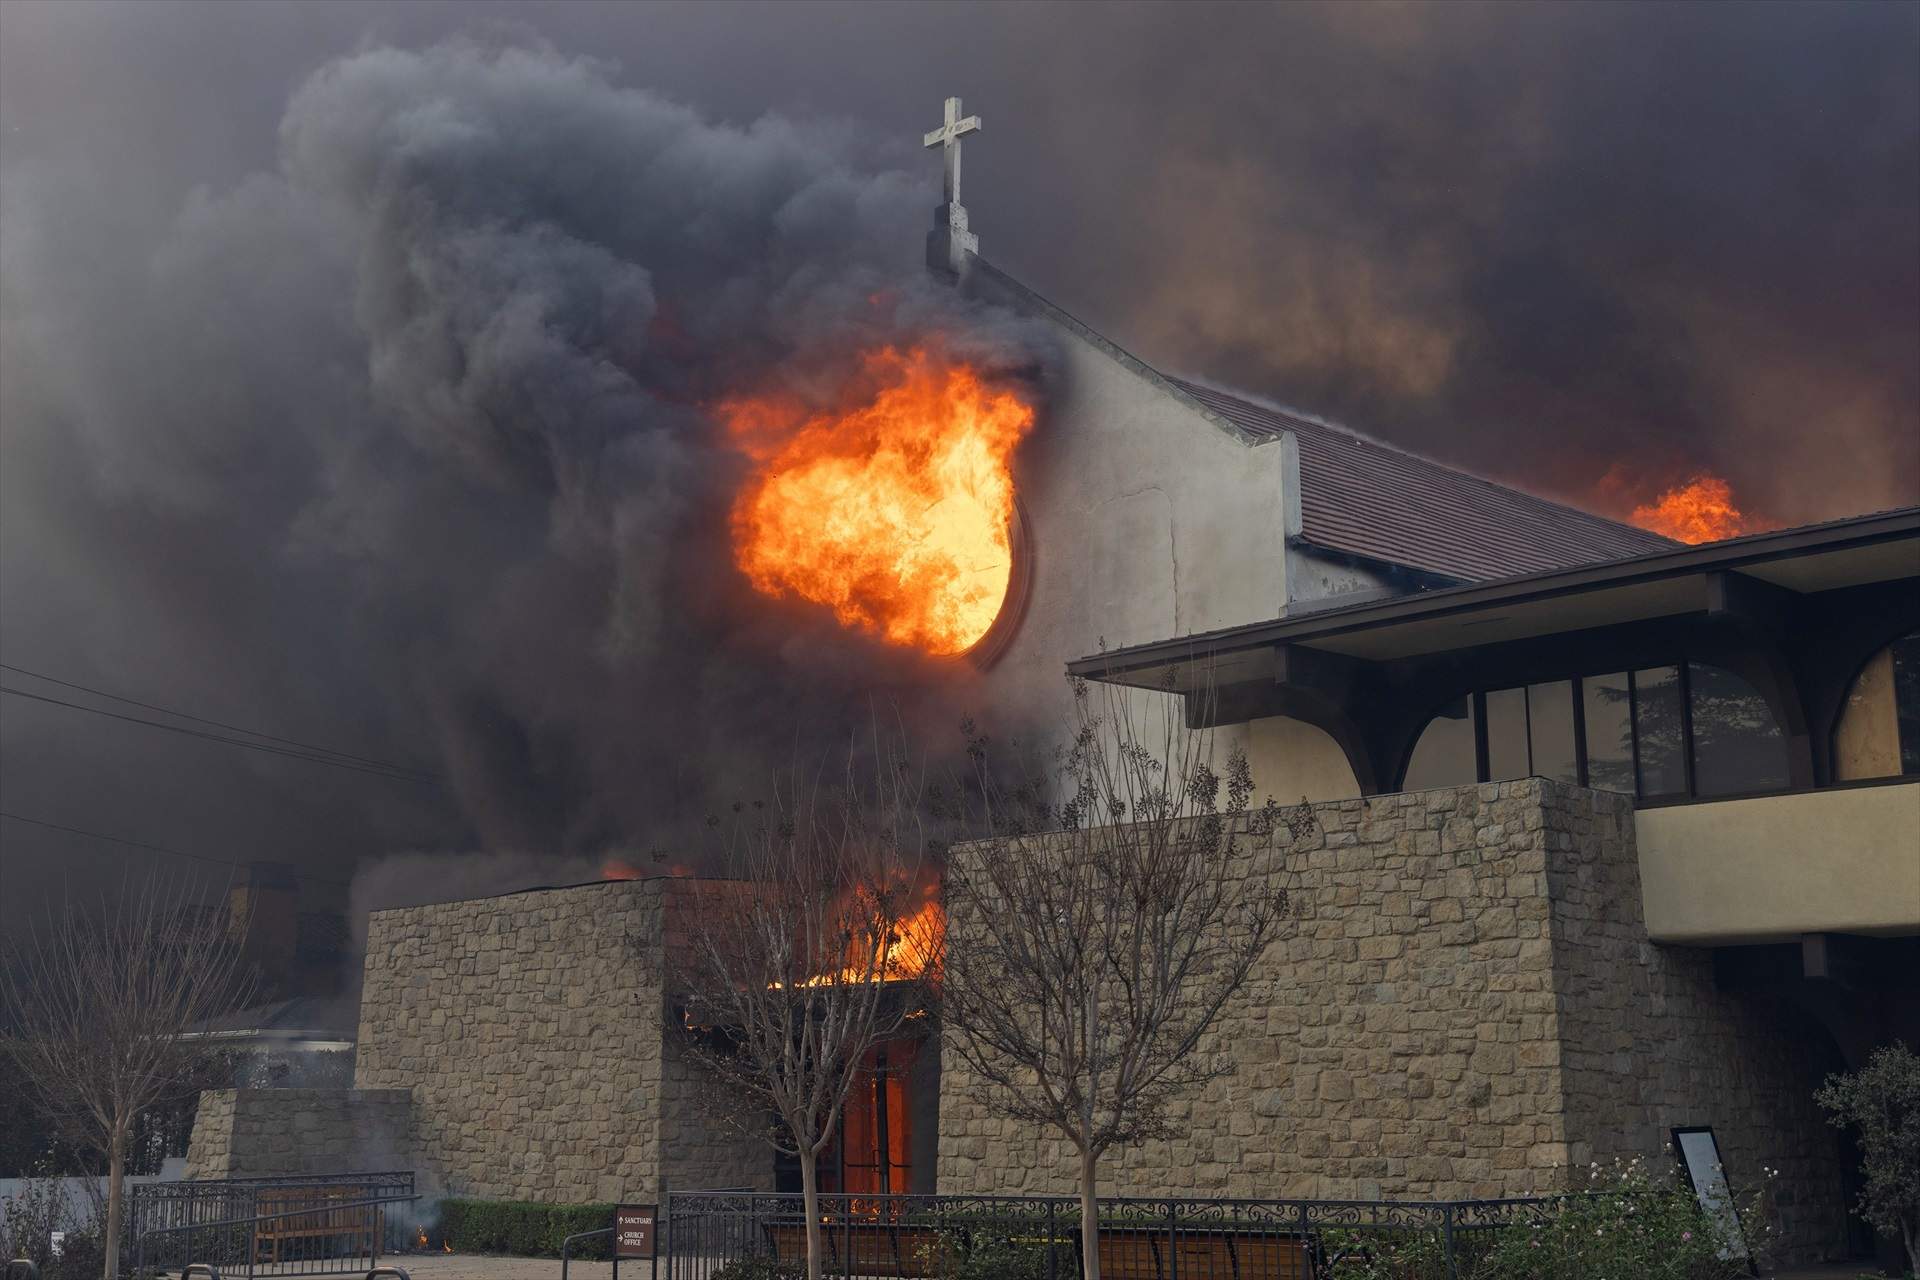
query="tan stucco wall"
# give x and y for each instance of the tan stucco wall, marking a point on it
(1146, 520)
(1774, 867)
(1291, 759)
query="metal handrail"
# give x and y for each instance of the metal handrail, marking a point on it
(287, 1179)
(32, 1271)
(322, 1206)
(142, 1238)
(398, 1273)
(566, 1249)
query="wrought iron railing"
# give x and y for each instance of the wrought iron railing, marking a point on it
(308, 1225)
(1039, 1238)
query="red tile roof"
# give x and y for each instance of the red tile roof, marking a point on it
(1364, 498)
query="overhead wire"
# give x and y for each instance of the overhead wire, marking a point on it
(153, 848)
(217, 724)
(312, 755)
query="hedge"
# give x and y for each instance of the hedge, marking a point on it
(524, 1229)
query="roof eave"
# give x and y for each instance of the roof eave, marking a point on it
(1729, 555)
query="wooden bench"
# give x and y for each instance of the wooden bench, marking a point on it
(1145, 1253)
(294, 1213)
(864, 1248)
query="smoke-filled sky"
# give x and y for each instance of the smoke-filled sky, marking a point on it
(351, 353)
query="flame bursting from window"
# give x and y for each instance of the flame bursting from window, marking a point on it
(912, 951)
(896, 514)
(1700, 510)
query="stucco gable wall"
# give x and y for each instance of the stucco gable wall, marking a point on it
(1145, 519)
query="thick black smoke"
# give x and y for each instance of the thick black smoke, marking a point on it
(245, 465)
(423, 415)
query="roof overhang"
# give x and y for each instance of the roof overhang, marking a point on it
(1878, 548)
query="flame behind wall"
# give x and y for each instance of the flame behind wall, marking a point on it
(1700, 510)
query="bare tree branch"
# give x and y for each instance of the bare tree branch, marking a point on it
(101, 1004)
(1086, 964)
(819, 949)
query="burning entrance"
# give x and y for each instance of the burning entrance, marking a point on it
(896, 514)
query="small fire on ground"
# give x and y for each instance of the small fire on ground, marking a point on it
(896, 513)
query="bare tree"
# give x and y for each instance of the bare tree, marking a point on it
(100, 1004)
(1085, 964)
(816, 953)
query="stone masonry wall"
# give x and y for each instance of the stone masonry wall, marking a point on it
(1466, 1007)
(716, 1139)
(530, 1029)
(1396, 1041)
(259, 1133)
(1649, 1043)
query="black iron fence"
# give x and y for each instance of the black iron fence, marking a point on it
(321, 1225)
(720, 1235)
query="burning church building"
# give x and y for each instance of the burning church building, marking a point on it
(1615, 835)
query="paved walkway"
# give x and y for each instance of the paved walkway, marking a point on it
(458, 1266)
(466, 1266)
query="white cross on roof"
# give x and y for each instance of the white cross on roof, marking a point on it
(948, 136)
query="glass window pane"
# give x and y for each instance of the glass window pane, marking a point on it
(1507, 734)
(1550, 730)
(1609, 713)
(1656, 713)
(1444, 756)
(1737, 746)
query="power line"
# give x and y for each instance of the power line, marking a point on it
(218, 724)
(153, 848)
(396, 772)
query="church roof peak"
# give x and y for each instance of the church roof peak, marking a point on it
(1362, 497)
(1366, 499)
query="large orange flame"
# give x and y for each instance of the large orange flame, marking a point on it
(1700, 510)
(898, 514)
(912, 951)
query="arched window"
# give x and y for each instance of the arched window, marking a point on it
(1737, 744)
(1878, 734)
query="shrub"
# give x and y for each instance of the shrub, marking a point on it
(995, 1257)
(1632, 1220)
(30, 1216)
(1882, 1102)
(760, 1269)
(1412, 1253)
(523, 1229)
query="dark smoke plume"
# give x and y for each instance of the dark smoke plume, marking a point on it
(424, 414)
(1583, 248)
